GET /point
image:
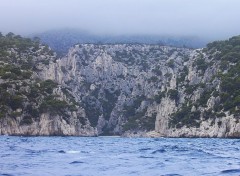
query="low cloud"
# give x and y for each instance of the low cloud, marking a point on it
(210, 19)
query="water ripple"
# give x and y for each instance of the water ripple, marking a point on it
(74, 156)
(231, 171)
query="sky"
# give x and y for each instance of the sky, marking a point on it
(203, 18)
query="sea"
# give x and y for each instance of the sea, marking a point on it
(117, 156)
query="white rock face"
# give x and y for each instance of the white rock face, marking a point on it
(119, 74)
(222, 127)
(131, 90)
(47, 125)
(164, 110)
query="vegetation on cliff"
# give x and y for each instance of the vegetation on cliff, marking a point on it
(226, 57)
(22, 93)
(121, 87)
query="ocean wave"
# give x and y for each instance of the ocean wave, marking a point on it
(230, 171)
(69, 151)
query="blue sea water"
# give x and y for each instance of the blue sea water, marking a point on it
(110, 156)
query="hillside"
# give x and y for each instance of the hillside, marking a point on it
(120, 89)
(29, 104)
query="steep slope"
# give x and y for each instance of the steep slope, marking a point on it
(127, 89)
(211, 108)
(139, 90)
(118, 85)
(30, 105)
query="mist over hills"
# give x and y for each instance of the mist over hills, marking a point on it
(62, 39)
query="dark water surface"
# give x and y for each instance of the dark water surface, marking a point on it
(103, 156)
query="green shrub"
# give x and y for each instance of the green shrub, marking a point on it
(54, 106)
(183, 75)
(129, 110)
(2, 114)
(16, 71)
(27, 120)
(153, 79)
(148, 122)
(45, 62)
(26, 75)
(9, 76)
(136, 121)
(109, 103)
(130, 125)
(159, 96)
(184, 116)
(200, 64)
(208, 114)
(92, 112)
(15, 114)
(34, 112)
(157, 71)
(190, 89)
(48, 86)
(204, 98)
(15, 102)
(170, 63)
(173, 94)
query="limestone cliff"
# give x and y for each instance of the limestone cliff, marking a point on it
(135, 90)
(31, 102)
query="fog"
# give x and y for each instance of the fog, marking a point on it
(204, 18)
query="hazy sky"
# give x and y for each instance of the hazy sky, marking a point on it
(205, 18)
